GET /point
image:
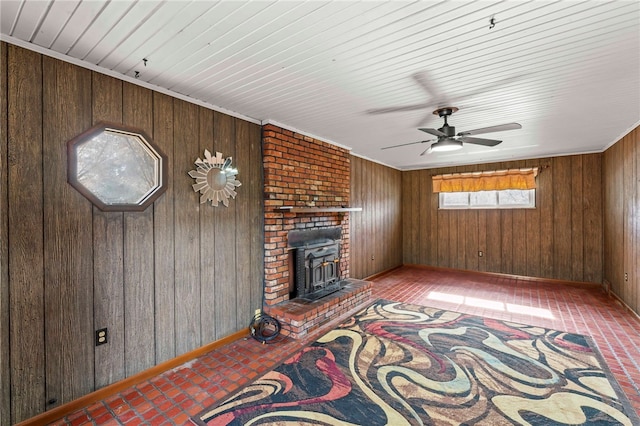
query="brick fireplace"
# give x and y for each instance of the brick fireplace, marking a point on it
(307, 185)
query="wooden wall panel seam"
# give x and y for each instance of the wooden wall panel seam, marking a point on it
(138, 252)
(225, 228)
(108, 246)
(164, 232)
(207, 238)
(5, 365)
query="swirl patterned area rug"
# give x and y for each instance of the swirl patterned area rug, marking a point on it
(401, 364)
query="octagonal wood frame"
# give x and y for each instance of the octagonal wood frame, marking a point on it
(72, 164)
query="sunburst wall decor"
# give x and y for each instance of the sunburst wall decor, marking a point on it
(215, 179)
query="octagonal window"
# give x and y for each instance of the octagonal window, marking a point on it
(117, 168)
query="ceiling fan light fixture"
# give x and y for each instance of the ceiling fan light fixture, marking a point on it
(446, 145)
(449, 140)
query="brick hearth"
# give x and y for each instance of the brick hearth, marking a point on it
(300, 171)
(301, 317)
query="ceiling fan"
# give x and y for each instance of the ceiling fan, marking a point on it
(437, 99)
(448, 140)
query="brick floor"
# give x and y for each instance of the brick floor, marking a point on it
(173, 397)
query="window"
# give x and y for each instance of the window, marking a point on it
(116, 167)
(500, 189)
(498, 199)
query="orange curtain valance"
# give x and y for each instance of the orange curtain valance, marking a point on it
(486, 181)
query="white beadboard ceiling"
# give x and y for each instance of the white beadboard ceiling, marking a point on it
(366, 75)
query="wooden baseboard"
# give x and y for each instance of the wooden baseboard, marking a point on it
(623, 303)
(512, 276)
(383, 273)
(104, 393)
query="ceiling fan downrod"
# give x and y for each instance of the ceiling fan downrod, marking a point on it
(449, 131)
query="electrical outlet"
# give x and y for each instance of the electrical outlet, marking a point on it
(480, 253)
(101, 336)
(626, 276)
(373, 257)
(257, 312)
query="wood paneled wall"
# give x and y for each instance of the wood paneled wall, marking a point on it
(5, 381)
(622, 218)
(561, 238)
(376, 231)
(164, 281)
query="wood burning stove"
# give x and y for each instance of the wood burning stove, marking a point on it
(316, 266)
(317, 270)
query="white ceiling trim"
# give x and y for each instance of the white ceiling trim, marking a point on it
(302, 132)
(96, 68)
(621, 135)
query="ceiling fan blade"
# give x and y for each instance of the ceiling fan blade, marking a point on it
(422, 78)
(414, 107)
(480, 141)
(486, 89)
(423, 81)
(424, 120)
(434, 132)
(426, 151)
(492, 129)
(405, 144)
